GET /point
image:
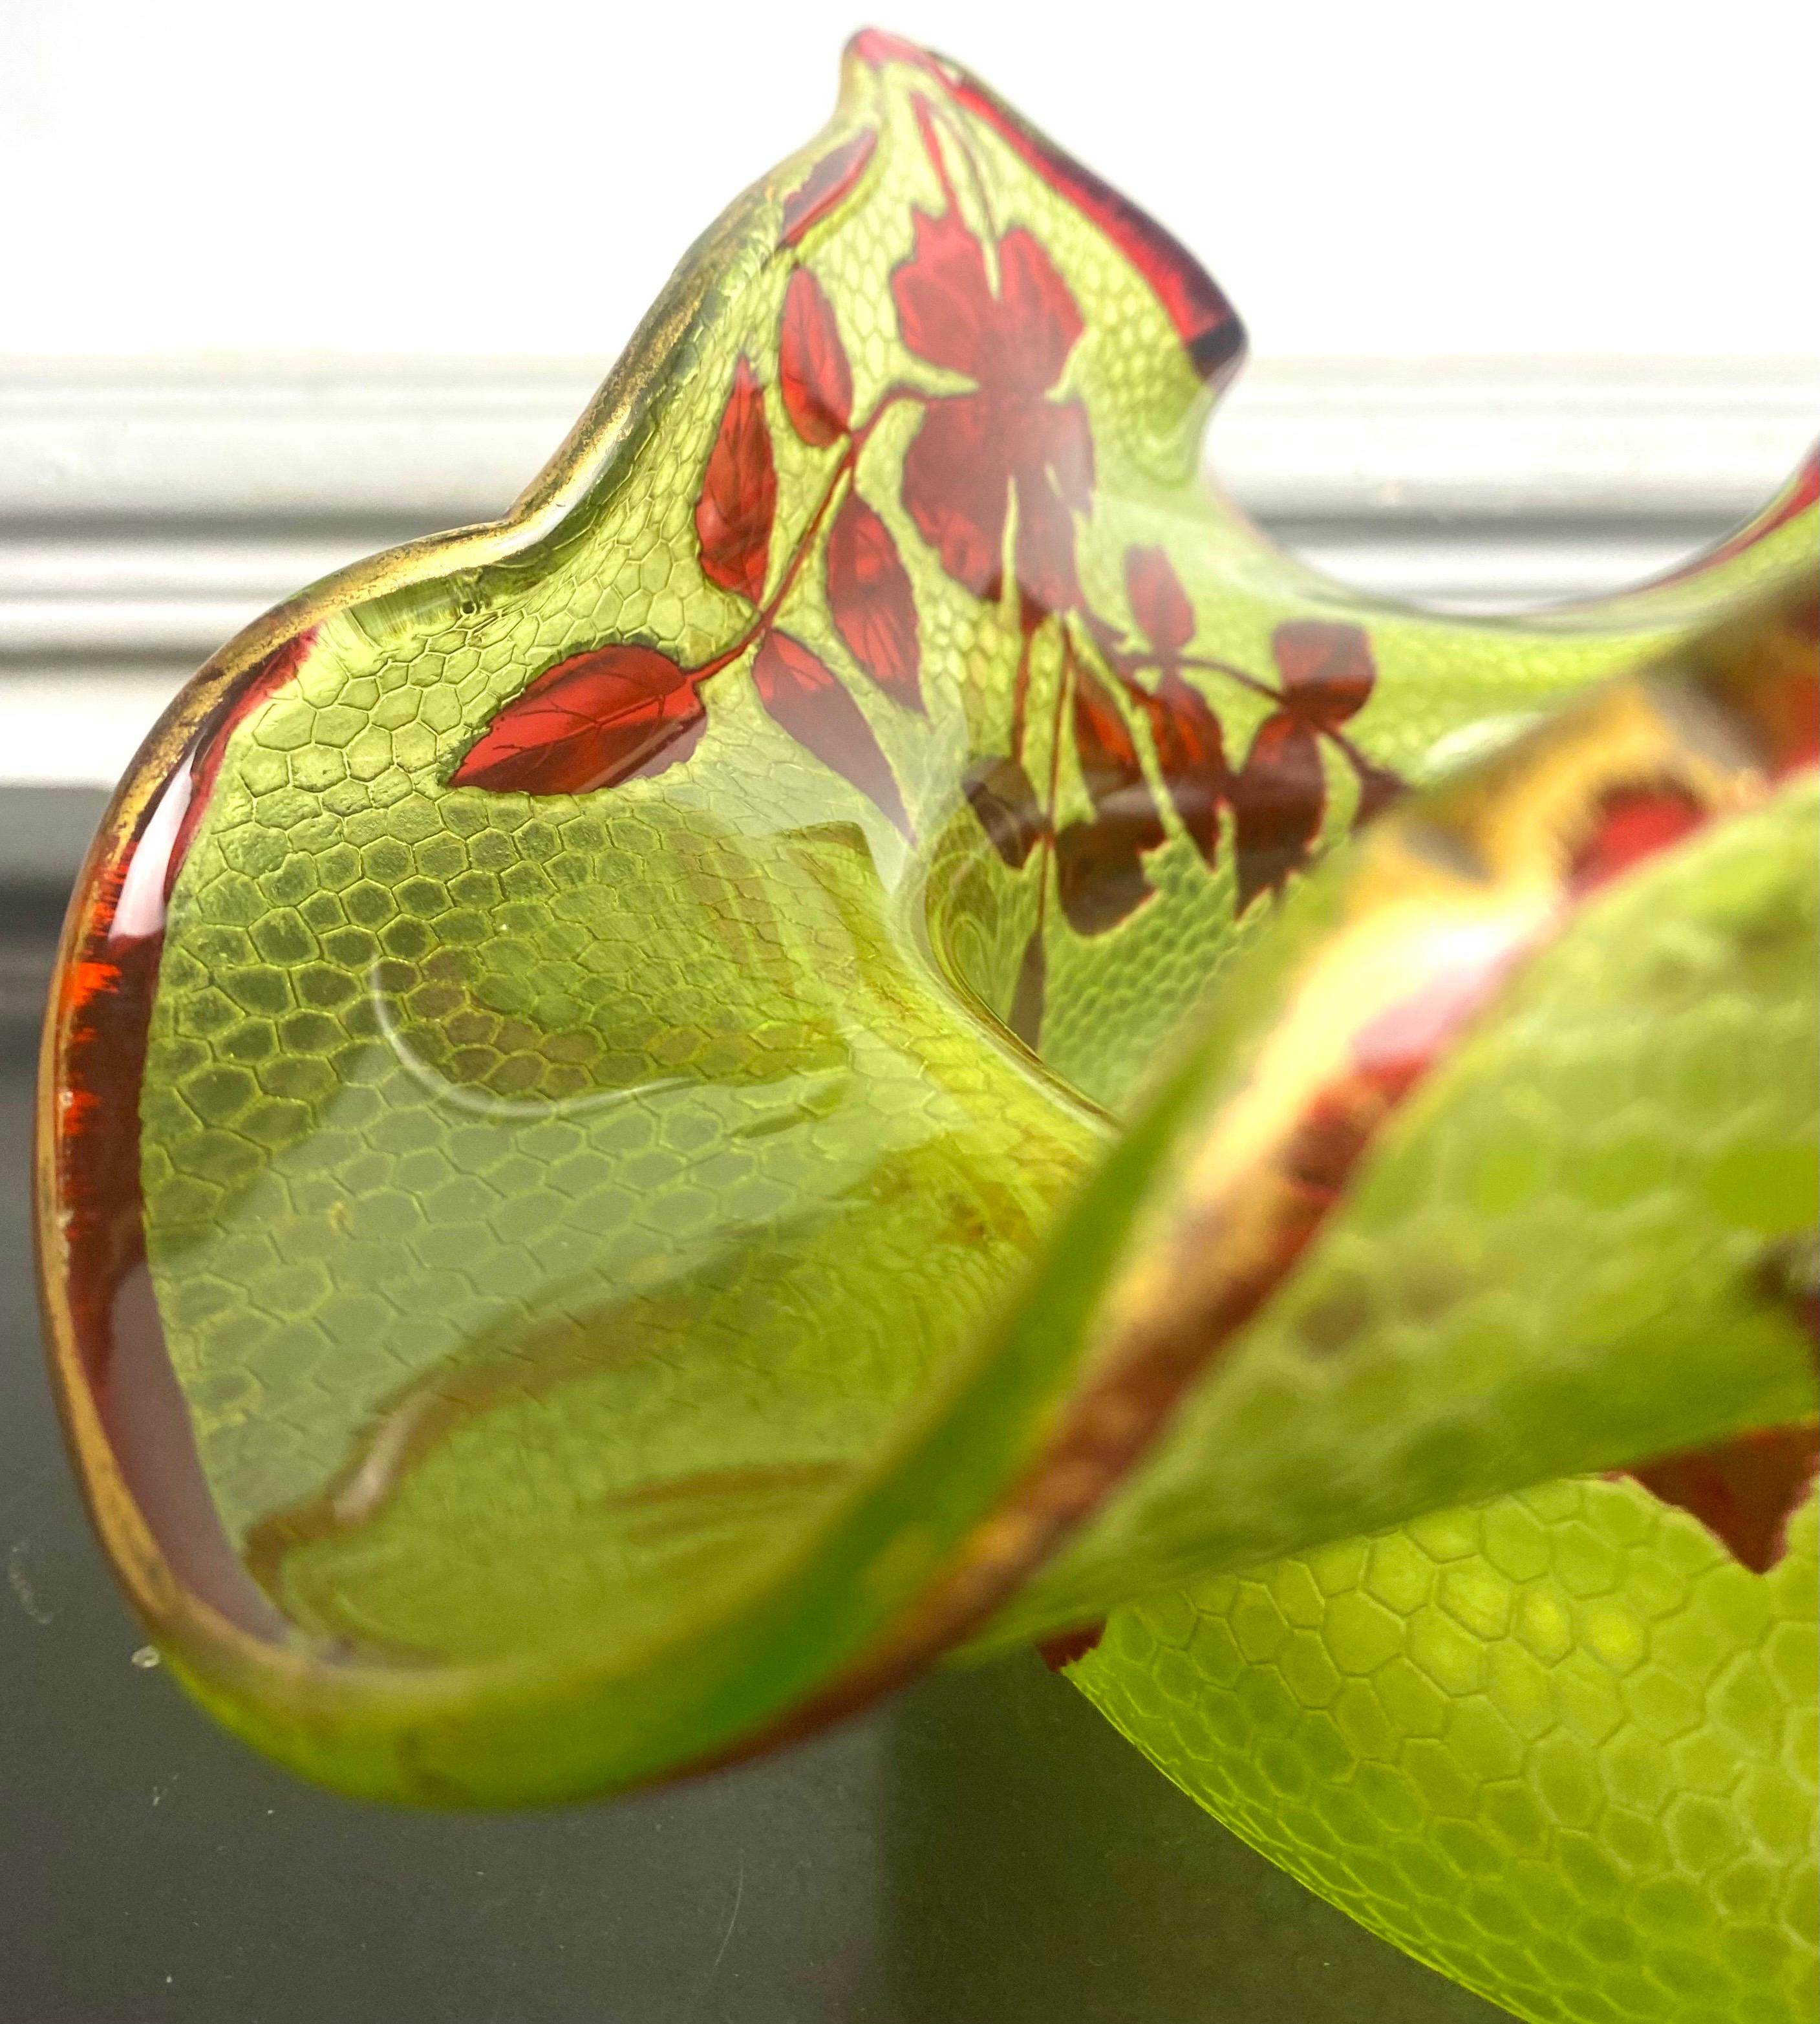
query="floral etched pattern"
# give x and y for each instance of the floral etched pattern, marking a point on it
(1007, 437)
(997, 481)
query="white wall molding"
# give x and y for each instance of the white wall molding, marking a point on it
(352, 438)
(148, 509)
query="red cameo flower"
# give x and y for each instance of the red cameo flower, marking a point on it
(975, 450)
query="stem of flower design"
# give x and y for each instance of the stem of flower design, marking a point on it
(844, 468)
(1361, 765)
(1203, 665)
(1047, 843)
(1020, 687)
(1355, 758)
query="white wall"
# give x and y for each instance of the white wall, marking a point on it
(464, 176)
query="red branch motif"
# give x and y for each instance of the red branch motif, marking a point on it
(998, 478)
(627, 709)
(1279, 796)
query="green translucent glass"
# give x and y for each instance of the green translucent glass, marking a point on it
(658, 1112)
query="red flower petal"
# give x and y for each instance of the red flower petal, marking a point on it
(1157, 601)
(1099, 875)
(944, 301)
(956, 473)
(1743, 1490)
(1326, 669)
(1040, 321)
(1202, 316)
(1191, 753)
(813, 374)
(1378, 788)
(1098, 865)
(956, 487)
(869, 600)
(1278, 797)
(1000, 793)
(1065, 445)
(1054, 466)
(739, 492)
(590, 721)
(1067, 1648)
(802, 695)
(1045, 545)
(826, 184)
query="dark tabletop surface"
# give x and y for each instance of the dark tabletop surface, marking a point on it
(984, 1847)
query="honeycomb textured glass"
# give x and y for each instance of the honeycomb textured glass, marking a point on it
(871, 1027)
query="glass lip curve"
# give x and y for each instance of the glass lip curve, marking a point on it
(212, 1647)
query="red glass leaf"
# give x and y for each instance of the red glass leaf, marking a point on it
(1157, 601)
(1326, 669)
(1000, 793)
(1109, 767)
(1209, 327)
(739, 492)
(1100, 865)
(1100, 873)
(1046, 549)
(590, 721)
(1191, 753)
(813, 374)
(1744, 1491)
(1068, 1647)
(827, 184)
(802, 693)
(1378, 787)
(869, 599)
(1025, 1017)
(1278, 797)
